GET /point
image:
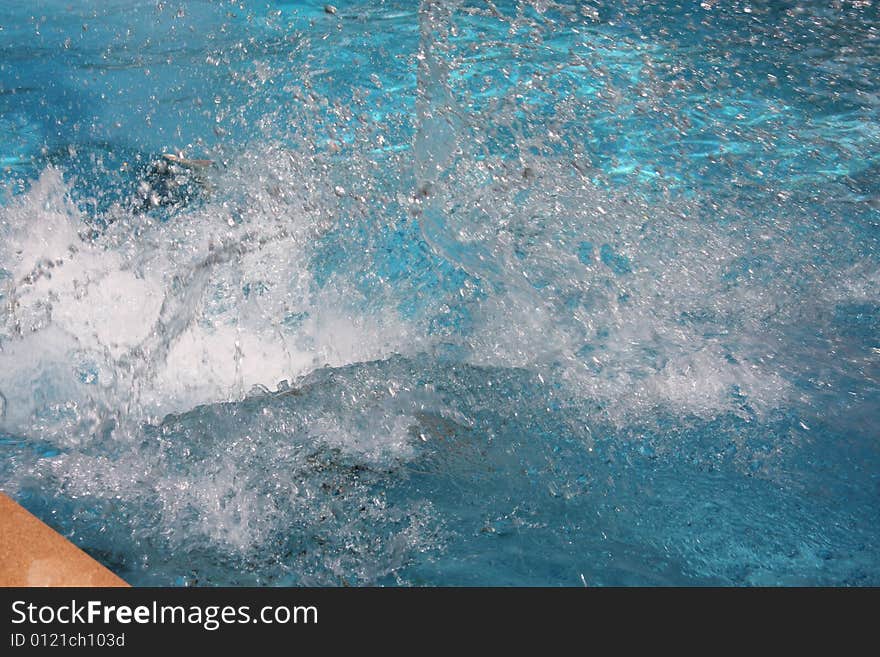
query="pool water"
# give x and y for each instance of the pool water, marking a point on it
(472, 293)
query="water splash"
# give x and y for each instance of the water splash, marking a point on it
(503, 274)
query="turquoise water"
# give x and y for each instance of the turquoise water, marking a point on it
(517, 293)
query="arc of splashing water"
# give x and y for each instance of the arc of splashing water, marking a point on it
(440, 123)
(439, 126)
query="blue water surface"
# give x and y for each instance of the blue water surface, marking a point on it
(512, 293)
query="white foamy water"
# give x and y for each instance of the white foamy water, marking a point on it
(636, 306)
(151, 317)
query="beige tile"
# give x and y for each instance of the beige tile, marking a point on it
(34, 554)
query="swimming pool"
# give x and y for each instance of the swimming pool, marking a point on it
(472, 293)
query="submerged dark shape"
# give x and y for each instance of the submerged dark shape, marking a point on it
(172, 181)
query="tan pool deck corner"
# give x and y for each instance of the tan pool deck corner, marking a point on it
(34, 554)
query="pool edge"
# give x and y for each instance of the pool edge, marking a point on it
(32, 554)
